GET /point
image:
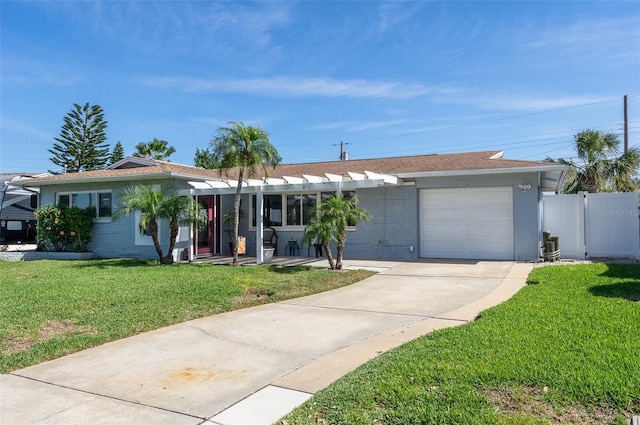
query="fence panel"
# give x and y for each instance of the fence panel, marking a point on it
(563, 216)
(612, 225)
(593, 224)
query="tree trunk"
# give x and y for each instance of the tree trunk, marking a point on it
(339, 251)
(327, 249)
(175, 228)
(153, 227)
(236, 217)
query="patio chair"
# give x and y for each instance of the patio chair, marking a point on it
(270, 239)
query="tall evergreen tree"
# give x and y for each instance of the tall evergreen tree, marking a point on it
(117, 154)
(82, 143)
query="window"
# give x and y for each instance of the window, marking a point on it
(143, 237)
(101, 201)
(297, 209)
(271, 210)
(293, 210)
(104, 204)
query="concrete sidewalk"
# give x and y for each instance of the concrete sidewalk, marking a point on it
(253, 366)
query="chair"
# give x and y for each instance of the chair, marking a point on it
(270, 239)
(292, 247)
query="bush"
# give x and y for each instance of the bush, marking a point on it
(61, 228)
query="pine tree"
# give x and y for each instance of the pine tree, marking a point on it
(117, 154)
(204, 159)
(82, 143)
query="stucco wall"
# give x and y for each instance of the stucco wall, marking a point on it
(117, 238)
(392, 232)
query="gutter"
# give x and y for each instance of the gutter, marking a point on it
(39, 183)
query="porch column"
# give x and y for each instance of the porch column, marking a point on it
(259, 221)
(192, 231)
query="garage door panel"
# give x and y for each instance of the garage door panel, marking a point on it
(466, 223)
(444, 248)
(488, 250)
(438, 232)
(439, 214)
(444, 197)
(492, 196)
(490, 213)
(489, 232)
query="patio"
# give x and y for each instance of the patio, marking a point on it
(245, 260)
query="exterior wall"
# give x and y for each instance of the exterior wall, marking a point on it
(526, 211)
(117, 238)
(392, 233)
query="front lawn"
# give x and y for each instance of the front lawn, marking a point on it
(52, 308)
(564, 350)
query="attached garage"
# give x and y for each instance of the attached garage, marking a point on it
(473, 223)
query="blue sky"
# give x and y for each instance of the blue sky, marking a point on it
(389, 78)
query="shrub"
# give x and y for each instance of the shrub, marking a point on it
(61, 228)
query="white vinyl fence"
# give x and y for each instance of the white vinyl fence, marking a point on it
(593, 224)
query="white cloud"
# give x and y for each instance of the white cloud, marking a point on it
(35, 72)
(356, 125)
(291, 86)
(601, 37)
(522, 102)
(393, 14)
(177, 28)
(27, 130)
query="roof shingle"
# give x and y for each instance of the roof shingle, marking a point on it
(486, 160)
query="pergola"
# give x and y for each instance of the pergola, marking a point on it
(259, 187)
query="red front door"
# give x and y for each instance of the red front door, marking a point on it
(207, 238)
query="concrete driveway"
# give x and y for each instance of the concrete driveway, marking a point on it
(254, 365)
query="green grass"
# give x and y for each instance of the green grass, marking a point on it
(565, 349)
(52, 308)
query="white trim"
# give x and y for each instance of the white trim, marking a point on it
(293, 180)
(312, 179)
(334, 177)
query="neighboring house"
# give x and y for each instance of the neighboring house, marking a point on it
(17, 207)
(470, 205)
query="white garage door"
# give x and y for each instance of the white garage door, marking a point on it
(474, 223)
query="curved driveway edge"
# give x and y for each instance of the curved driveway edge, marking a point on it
(253, 366)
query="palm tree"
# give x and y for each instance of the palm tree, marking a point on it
(155, 205)
(245, 149)
(156, 149)
(322, 231)
(335, 215)
(599, 168)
